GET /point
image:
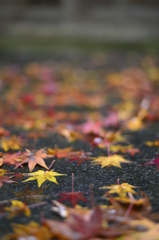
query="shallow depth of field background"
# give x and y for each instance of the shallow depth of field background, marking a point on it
(69, 26)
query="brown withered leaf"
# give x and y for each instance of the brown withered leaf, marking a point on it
(27, 193)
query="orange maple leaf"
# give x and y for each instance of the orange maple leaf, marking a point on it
(59, 153)
(33, 158)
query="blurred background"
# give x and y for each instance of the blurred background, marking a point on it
(28, 26)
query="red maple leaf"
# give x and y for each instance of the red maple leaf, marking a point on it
(133, 151)
(154, 162)
(90, 227)
(91, 127)
(93, 139)
(112, 120)
(4, 132)
(13, 159)
(79, 156)
(5, 179)
(72, 197)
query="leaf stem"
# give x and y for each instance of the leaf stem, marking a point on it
(72, 182)
(51, 165)
(127, 214)
(118, 181)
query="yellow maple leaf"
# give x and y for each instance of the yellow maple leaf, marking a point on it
(113, 160)
(2, 172)
(41, 176)
(32, 230)
(151, 230)
(120, 189)
(135, 124)
(13, 143)
(117, 148)
(18, 207)
(152, 143)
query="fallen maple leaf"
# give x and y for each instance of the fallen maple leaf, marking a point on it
(140, 207)
(33, 158)
(18, 207)
(135, 124)
(152, 143)
(13, 159)
(133, 151)
(93, 225)
(79, 156)
(13, 143)
(3, 132)
(1, 159)
(72, 197)
(142, 224)
(32, 230)
(70, 134)
(91, 127)
(64, 211)
(151, 231)
(113, 160)
(120, 189)
(88, 225)
(154, 162)
(124, 149)
(112, 120)
(5, 179)
(27, 193)
(42, 176)
(59, 153)
(2, 172)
